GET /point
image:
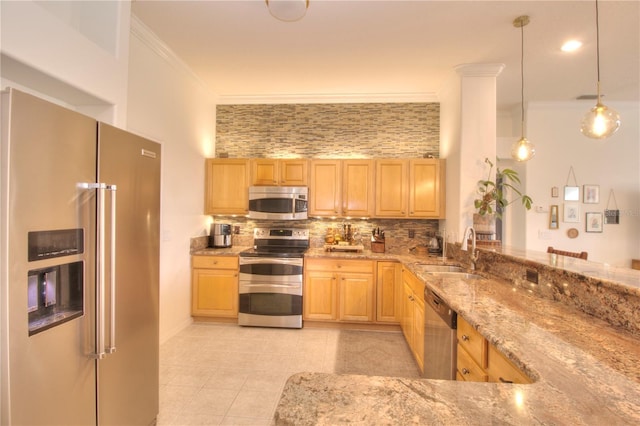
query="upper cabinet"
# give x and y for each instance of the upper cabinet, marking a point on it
(226, 186)
(384, 188)
(270, 172)
(410, 188)
(341, 188)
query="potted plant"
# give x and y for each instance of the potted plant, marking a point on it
(492, 195)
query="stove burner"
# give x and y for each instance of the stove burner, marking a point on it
(278, 242)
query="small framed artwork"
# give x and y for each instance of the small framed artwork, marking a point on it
(594, 222)
(572, 193)
(591, 194)
(553, 217)
(612, 217)
(571, 212)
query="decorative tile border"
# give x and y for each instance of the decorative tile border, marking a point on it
(375, 130)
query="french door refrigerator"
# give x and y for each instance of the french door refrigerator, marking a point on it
(79, 268)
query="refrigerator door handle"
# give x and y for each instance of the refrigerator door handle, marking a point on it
(112, 266)
(100, 270)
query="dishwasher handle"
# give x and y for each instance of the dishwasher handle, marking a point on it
(444, 311)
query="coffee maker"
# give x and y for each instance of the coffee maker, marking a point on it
(220, 235)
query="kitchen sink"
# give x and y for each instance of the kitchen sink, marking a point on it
(440, 268)
(461, 275)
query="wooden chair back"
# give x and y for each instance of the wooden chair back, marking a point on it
(581, 255)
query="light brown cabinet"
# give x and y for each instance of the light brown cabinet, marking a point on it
(410, 188)
(479, 361)
(226, 186)
(412, 322)
(214, 283)
(389, 292)
(338, 290)
(270, 171)
(341, 188)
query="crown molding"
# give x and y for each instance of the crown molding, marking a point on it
(479, 70)
(328, 98)
(143, 33)
(151, 40)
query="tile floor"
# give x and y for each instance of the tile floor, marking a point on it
(223, 374)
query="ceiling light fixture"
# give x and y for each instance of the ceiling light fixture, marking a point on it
(522, 150)
(571, 46)
(287, 10)
(600, 122)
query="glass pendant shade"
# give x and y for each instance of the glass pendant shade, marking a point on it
(523, 150)
(600, 122)
(288, 10)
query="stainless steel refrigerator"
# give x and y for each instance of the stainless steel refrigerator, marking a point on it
(79, 268)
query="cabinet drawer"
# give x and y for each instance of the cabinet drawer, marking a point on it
(468, 369)
(214, 262)
(472, 342)
(339, 265)
(500, 369)
(414, 283)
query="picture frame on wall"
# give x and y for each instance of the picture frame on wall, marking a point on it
(553, 217)
(594, 222)
(571, 212)
(591, 194)
(572, 193)
(612, 217)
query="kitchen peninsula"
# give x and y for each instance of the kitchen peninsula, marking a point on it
(584, 370)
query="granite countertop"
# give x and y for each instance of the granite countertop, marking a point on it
(585, 371)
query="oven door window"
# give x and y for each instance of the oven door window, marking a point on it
(270, 304)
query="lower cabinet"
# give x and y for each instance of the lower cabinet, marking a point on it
(479, 361)
(412, 320)
(388, 292)
(338, 290)
(214, 282)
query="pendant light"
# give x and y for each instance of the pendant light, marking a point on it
(601, 121)
(287, 10)
(522, 150)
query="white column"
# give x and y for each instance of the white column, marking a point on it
(468, 136)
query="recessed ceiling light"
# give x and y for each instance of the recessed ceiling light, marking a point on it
(571, 45)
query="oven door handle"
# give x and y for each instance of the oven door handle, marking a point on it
(269, 285)
(270, 260)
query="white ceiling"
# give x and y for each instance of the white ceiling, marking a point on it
(399, 49)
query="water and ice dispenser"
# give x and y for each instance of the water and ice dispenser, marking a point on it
(55, 293)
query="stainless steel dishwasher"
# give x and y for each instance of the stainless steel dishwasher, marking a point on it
(440, 343)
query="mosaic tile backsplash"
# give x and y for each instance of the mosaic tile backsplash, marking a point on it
(397, 232)
(372, 130)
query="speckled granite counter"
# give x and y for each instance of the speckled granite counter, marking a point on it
(586, 371)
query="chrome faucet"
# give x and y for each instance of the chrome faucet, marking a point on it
(470, 232)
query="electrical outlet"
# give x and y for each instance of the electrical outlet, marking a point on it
(532, 276)
(236, 229)
(412, 233)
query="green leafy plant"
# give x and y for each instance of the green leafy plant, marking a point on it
(493, 195)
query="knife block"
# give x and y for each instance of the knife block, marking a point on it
(377, 246)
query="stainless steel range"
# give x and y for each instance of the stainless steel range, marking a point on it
(271, 277)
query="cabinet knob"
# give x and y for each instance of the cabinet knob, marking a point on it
(465, 371)
(465, 338)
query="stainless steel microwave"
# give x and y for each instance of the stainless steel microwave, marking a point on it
(278, 202)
